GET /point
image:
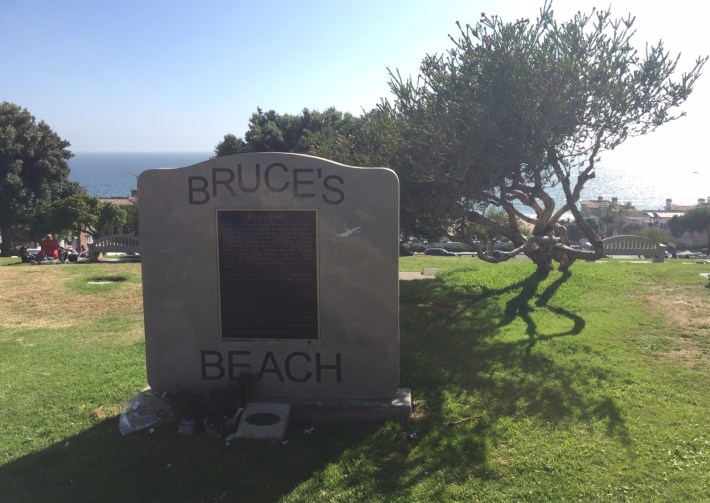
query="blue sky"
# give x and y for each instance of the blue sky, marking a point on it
(177, 76)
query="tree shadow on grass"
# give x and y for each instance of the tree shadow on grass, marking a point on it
(462, 366)
(520, 306)
(454, 336)
(107, 279)
(453, 346)
(100, 465)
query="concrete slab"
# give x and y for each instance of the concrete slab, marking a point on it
(410, 276)
(352, 410)
(264, 420)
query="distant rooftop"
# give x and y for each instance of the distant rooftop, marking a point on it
(670, 207)
(119, 200)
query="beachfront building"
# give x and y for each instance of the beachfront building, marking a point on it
(614, 218)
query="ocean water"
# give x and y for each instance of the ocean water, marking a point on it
(647, 189)
(115, 174)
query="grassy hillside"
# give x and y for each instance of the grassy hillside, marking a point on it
(590, 386)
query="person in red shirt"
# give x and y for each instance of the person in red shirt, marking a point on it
(50, 247)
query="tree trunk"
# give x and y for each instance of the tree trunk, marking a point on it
(565, 261)
(543, 253)
(542, 258)
(6, 247)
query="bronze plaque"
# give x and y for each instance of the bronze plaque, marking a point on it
(268, 274)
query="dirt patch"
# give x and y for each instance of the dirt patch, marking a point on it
(106, 412)
(688, 319)
(36, 297)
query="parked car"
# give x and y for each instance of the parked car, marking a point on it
(440, 252)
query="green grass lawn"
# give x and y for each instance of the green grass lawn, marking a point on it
(588, 386)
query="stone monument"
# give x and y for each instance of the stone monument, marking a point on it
(284, 266)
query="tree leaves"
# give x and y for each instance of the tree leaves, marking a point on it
(33, 168)
(516, 107)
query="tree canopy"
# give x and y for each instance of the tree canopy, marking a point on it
(515, 108)
(230, 145)
(307, 132)
(33, 169)
(512, 110)
(79, 212)
(696, 220)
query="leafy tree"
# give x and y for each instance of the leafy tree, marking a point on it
(75, 213)
(696, 220)
(33, 169)
(271, 132)
(676, 227)
(358, 141)
(630, 228)
(516, 108)
(331, 134)
(61, 216)
(95, 216)
(654, 234)
(574, 233)
(230, 145)
(106, 216)
(131, 217)
(467, 231)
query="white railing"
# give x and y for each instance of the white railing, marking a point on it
(634, 245)
(115, 243)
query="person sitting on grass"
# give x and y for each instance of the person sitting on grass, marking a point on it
(50, 248)
(25, 255)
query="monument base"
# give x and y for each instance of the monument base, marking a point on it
(344, 410)
(264, 420)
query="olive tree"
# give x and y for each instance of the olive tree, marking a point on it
(515, 108)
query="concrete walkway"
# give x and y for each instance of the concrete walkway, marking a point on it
(427, 273)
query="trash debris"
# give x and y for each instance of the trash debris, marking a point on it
(143, 411)
(413, 435)
(230, 439)
(216, 413)
(308, 431)
(187, 427)
(230, 424)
